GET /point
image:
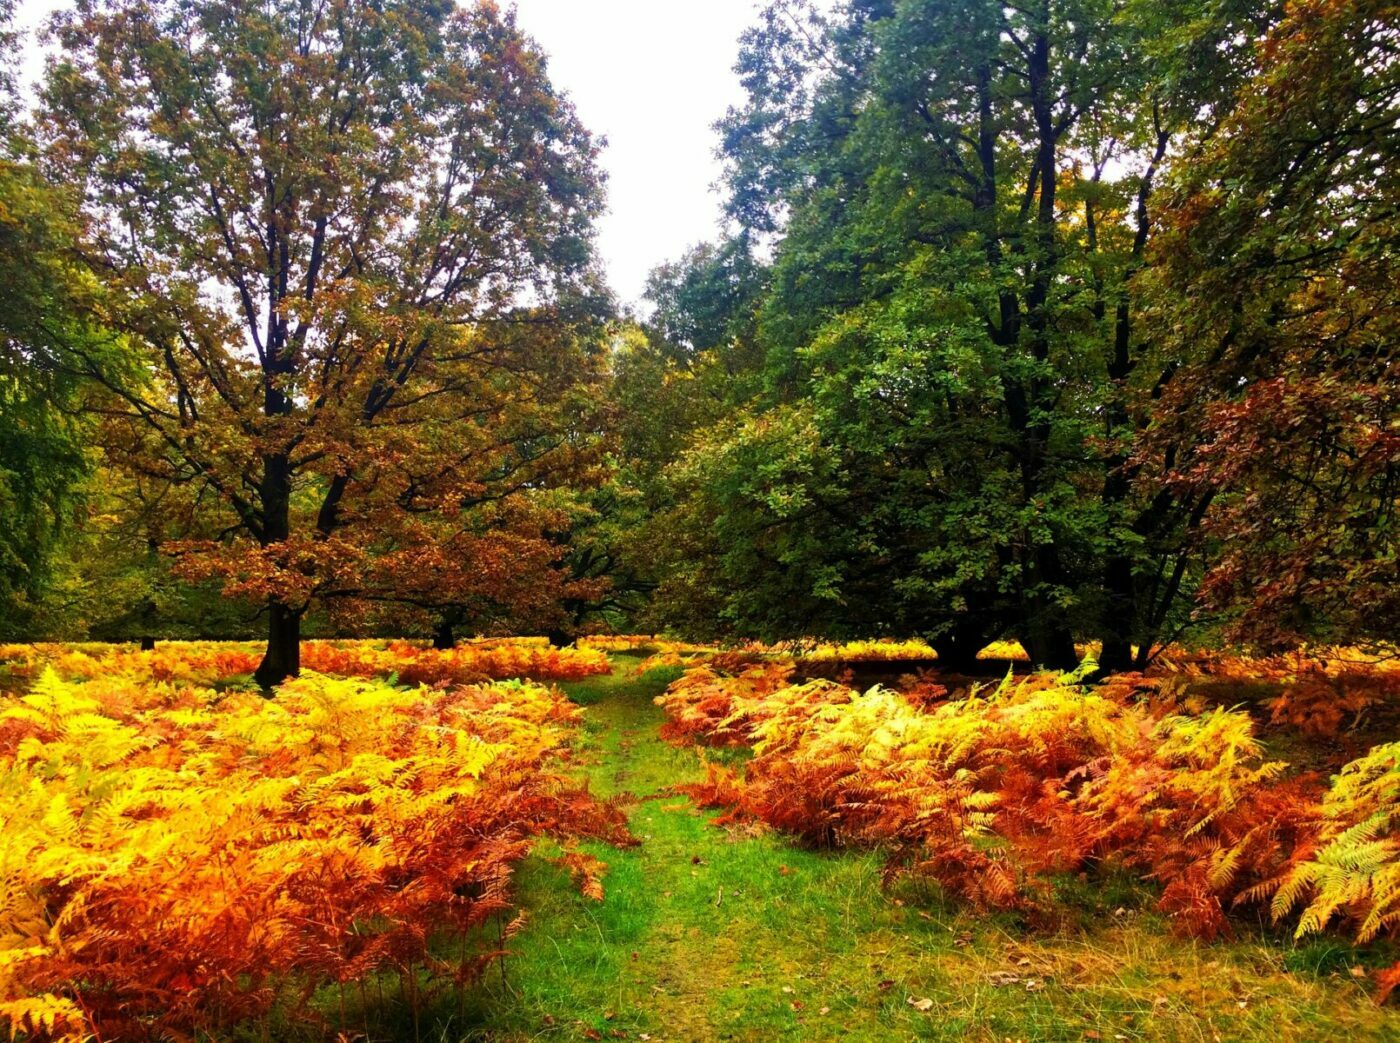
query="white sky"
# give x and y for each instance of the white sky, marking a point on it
(651, 76)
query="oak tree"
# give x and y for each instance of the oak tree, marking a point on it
(319, 221)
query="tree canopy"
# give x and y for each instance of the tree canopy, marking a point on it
(967, 352)
(1066, 321)
(328, 229)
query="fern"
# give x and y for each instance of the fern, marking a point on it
(179, 860)
(989, 792)
(1354, 874)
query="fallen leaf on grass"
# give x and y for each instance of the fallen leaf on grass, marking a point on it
(919, 1004)
(885, 985)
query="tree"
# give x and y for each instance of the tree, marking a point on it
(112, 580)
(686, 368)
(498, 569)
(472, 534)
(958, 196)
(321, 222)
(1276, 278)
(43, 455)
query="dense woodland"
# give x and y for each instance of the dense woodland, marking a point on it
(1068, 327)
(1048, 322)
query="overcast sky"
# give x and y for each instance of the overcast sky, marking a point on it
(651, 76)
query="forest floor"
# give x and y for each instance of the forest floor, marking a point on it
(737, 933)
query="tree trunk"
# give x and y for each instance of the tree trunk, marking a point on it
(148, 644)
(283, 656)
(1116, 656)
(1117, 626)
(444, 638)
(957, 648)
(1049, 644)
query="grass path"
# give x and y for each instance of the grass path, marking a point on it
(714, 934)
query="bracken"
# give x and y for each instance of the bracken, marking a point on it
(174, 861)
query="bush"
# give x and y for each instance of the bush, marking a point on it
(175, 862)
(206, 662)
(991, 794)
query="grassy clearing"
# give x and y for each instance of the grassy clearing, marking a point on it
(736, 934)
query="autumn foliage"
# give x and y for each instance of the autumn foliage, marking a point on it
(174, 861)
(994, 793)
(205, 662)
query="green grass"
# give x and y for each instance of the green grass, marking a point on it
(709, 933)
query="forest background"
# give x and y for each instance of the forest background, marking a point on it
(1058, 322)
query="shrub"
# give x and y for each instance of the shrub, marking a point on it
(1353, 873)
(710, 706)
(206, 662)
(174, 861)
(990, 793)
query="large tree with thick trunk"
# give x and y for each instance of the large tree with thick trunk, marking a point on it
(319, 219)
(958, 195)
